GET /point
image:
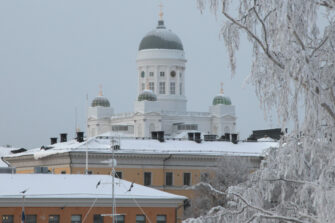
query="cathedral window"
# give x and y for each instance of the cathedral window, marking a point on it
(143, 86)
(180, 74)
(151, 74)
(161, 87)
(162, 73)
(187, 127)
(172, 88)
(117, 128)
(173, 73)
(142, 74)
(181, 88)
(152, 86)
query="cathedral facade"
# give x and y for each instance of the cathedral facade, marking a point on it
(161, 102)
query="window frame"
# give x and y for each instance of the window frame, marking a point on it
(30, 218)
(162, 74)
(189, 179)
(98, 220)
(118, 221)
(7, 220)
(76, 215)
(118, 174)
(140, 215)
(162, 89)
(144, 179)
(161, 221)
(54, 221)
(172, 87)
(166, 177)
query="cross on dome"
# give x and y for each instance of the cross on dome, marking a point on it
(221, 89)
(161, 11)
(100, 90)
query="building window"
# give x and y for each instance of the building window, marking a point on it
(31, 219)
(187, 127)
(76, 219)
(7, 219)
(89, 172)
(172, 88)
(118, 128)
(168, 178)
(173, 73)
(143, 86)
(140, 219)
(162, 74)
(181, 89)
(97, 218)
(118, 174)
(63, 172)
(120, 219)
(162, 87)
(151, 74)
(147, 178)
(142, 74)
(53, 218)
(152, 86)
(187, 179)
(161, 219)
(180, 74)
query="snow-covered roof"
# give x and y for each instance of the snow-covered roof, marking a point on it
(150, 146)
(4, 151)
(71, 186)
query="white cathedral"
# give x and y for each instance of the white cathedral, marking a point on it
(161, 101)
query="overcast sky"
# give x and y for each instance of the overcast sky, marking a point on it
(53, 53)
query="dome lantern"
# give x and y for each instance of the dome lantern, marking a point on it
(221, 99)
(100, 100)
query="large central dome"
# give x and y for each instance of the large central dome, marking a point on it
(161, 38)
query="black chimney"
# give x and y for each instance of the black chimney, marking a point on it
(154, 135)
(234, 138)
(63, 137)
(53, 140)
(197, 137)
(160, 136)
(190, 136)
(227, 137)
(80, 136)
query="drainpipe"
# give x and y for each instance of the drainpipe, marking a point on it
(165, 159)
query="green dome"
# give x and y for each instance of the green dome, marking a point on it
(221, 100)
(147, 95)
(100, 101)
(161, 38)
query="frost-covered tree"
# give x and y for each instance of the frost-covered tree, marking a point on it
(293, 72)
(229, 171)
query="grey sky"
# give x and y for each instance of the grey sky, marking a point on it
(53, 53)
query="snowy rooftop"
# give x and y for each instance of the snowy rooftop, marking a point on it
(4, 151)
(150, 146)
(75, 186)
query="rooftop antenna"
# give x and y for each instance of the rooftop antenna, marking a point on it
(86, 166)
(75, 119)
(221, 89)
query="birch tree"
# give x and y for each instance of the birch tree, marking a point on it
(293, 46)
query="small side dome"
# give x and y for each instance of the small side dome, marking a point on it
(100, 101)
(147, 95)
(221, 100)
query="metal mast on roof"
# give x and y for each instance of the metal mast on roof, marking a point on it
(113, 179)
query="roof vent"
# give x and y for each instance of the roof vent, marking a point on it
(197, 137)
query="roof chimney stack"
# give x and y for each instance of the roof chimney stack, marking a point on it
(53, 140)
(80, 136)
(63, 137)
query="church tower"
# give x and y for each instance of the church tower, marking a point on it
(161, 61)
